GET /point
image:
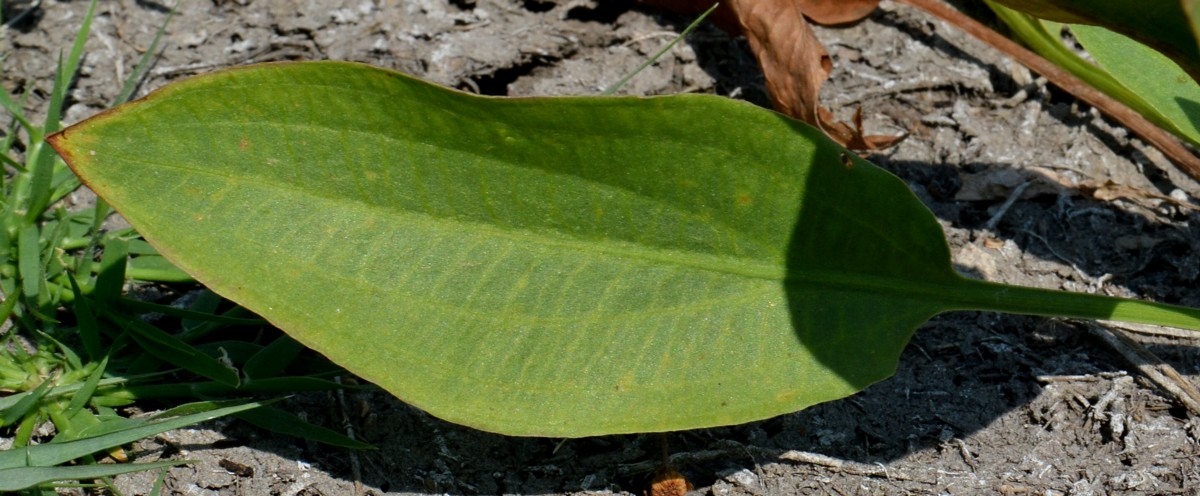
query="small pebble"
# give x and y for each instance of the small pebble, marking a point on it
(744, 478)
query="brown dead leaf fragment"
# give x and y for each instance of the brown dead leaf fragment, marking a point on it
(852, 135)
(823, 12)
(793, 61)
(833, 12)
(1109, 191)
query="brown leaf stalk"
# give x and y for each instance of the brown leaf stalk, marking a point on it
(1156, 136)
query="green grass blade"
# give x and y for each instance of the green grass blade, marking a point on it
(63, 183)
(24, 431)
(279, 421)
(69, 355)
(4, 159)
(183, 313)
(9, 304)
(85, 318)
(157, 489)
(176, 352)
(110, 281)
(155, 268)
(56, 391)
(13, 108)
(279, 385)
(141, 247)
(42, 163)
(80, 398)
(29, 261)
(273, 358)
(653, 58)
(100, 428)
(132, 82)
(66, 72)
(53, 454)
(197, 407)
(26, 404)
(70, 427)
(22, 478)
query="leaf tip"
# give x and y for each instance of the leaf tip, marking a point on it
(70, 148)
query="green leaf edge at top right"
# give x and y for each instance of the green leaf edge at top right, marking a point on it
(559, 267)
(1164, 25)
(1149, 75)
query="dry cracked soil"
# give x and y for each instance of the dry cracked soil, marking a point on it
(981, 403)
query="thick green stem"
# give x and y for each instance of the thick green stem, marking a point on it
(981, 295)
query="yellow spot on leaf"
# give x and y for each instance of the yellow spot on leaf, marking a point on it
(625, 381)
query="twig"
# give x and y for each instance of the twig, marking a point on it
(1094, 281)
(730, 448)
(842, 465)
(1156, 136)
(1008, 203)
(1150, 365)
(675, 460)
(1047, 379)
(1153, 330)
(967, 456)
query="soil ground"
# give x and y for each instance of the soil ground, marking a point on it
(981, 403)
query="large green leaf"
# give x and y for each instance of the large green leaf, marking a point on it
(538, 266)
(1162, 24)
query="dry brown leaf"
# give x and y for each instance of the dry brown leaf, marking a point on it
(852, 135)
(793, 62)
(824, 12)
(830, 12)
(998, 183)
(1109, 191)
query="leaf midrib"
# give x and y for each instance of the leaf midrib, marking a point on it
(893, 286)
(744, 267)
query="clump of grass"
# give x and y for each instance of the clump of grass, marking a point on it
(74, 348)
